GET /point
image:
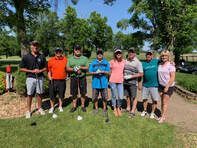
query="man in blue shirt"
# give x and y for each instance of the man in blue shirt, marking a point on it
(150, 83)
(99, 68)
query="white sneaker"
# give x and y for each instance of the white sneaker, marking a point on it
(61, 109)
(144, 113)
(51, 110)
(152, 116)
(28, 115)
(41, 111)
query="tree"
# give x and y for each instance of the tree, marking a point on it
(167, 24)
(16, 13)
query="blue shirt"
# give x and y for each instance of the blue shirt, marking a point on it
(150, 78)
(99, 81)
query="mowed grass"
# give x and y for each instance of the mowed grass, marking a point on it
(91, 132)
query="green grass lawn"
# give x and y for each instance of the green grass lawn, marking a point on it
(91, 132)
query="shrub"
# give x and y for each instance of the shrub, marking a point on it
(187, 81)
(2, 82)
(20, 83)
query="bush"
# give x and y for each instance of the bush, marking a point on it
(20, 83)
(187, 81)
(2, 82)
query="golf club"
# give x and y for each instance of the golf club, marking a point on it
(107, 117)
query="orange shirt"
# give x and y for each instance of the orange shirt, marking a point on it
(57, 67)
(8, 69)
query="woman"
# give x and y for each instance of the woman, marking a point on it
(116, 81)
(166, 76)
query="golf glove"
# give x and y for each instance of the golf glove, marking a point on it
(127, 77)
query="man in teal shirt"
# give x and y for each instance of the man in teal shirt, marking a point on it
(150, 83)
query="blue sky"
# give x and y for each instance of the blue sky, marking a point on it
(114, 13)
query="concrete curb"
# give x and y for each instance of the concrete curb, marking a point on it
(185, 93)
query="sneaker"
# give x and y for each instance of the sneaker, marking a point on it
(41, 111)
(152, 116)
(95, 111)
(61, 109)
(51, 110)
(83, 109)
(131, 115)
(28, 115)
(144, 113)
(73, 109)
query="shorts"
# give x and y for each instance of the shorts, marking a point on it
(150, 92)
(130, 90)
(169, 92)
(34, 85)
(78, 84)
(103, 92)
(57, 87)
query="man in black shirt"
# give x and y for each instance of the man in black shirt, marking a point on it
(34, 64)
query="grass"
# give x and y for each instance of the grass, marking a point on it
(92, 131)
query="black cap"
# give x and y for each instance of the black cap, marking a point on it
(34, 43)
(99, 51)
(131, 50)
(77, 47)
(58, 49)
(149, 52)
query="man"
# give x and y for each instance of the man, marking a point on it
(132, 71)
(99, 68)
(9, 77)
(34, 64)
(57, 75)
(150, 83)
(77, 66)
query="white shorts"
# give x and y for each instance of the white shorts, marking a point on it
(152, 92)
(34, 85)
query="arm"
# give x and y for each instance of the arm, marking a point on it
(171, 81)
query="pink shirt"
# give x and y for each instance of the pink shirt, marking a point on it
(116, 71)
(164, 73)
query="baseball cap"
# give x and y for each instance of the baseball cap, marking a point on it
(77, 47)
(58, 49)
(117, 50)
(34, 43)
(99, 51)
(131, 50)
(149, 52)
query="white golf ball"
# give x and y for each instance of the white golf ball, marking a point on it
(54, 116)
(79, 118)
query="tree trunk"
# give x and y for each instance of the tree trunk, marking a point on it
(177, 55)
(20, 26)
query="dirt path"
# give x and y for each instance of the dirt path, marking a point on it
(181, 113)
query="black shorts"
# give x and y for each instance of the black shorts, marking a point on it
(130, 90)
(78, 84)
(169, 92)
(103, 92)
(57, 87)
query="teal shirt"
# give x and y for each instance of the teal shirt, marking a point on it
(150, 78)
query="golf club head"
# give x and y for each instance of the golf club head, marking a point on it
(79, 118)
(54, 116)
(33, 123)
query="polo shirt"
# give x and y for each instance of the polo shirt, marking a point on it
(150, 68)
(31, 62)
(132, 67)
(99, 81)
(57, 67)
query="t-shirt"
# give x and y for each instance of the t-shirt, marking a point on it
(8, 69)
(31, 62)
(99, 81)
(150, 69)
(116, 71)
(132, 67)
(77, 61)
(164, 73)
(57, 67)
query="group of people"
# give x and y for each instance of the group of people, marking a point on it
(123, 76)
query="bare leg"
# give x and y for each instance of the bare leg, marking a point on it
(154, 106)
(128, 103)
(39, 101)
(83, 100)
(74, 103)
(60, 102)
(145, 104)
(52, 104)
(104, 105)
(166, 99)
(29, 101)
(134, 105)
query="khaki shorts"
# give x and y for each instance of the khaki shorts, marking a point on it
(150, 92)
(34, 86)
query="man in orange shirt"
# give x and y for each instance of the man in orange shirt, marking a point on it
(57, 75)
